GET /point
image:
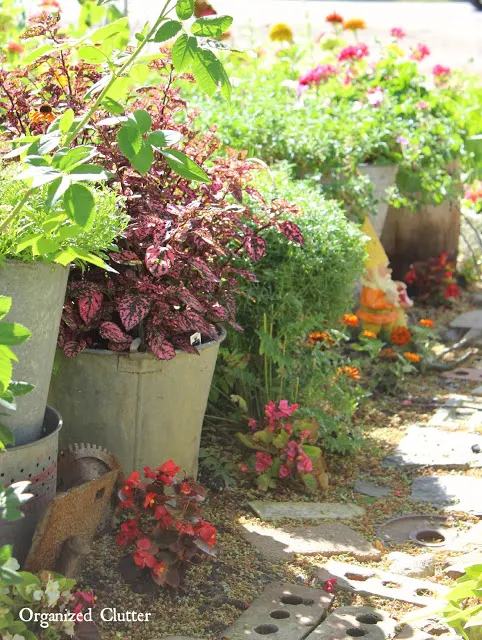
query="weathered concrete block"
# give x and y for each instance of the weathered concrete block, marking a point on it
(329, 539)
(369, 581)
(370, 488)
(453, 493)
(282, 611)
(404, 564)
(456, 566)
(270, 510)
(355, 622)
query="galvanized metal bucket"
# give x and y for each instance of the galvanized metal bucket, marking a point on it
(37, 463)
(37, 291)
(142, 409)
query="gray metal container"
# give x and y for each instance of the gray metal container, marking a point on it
(37, 291)
(382, 177)
(144, 410)
(37, 463)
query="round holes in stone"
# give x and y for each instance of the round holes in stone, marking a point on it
(280, 615)
(289, 599)
(308, 603)
(368, 618)
(391, 585)
(428, 537)
(424, 592)
(355, 632)
(266, 629)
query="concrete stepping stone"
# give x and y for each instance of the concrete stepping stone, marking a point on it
(470, 374)
(370, 488)
(345, 623)
(455, 567)
(458, 413)
(433, 447)
(331, 538)
(452, 493)
(405, 528)
(373, 582)
(282, 611)
(270, 510)
(421, 566)
(468, 320)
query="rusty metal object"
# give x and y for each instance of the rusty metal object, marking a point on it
(80, 463)
(71, 557)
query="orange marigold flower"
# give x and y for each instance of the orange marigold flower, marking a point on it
(413, 357)
(334, 18)
(43, 114)
(400, 336)
(351, 372)
(350, 319)
(354, 24)
(369, 334)
(388, 354)
(15, 47)
(426, 322)
(320, 336)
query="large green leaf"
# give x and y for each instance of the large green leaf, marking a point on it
(113, 29)
(5, 305)
(184, 52)
(164, 138)
(6, 438)
(66, 120)
(5, 368)
(13, 333)
(56, 190)
(184, 166)
(79, 205)
(92, 55)
(207, 70)
(212, 26)
(90, 173)
(38, 53)
(167, 30)
(130, 140)
(184, 9)
(143, 159)
(143, 120)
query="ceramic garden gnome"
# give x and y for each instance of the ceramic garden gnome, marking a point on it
(382, 301)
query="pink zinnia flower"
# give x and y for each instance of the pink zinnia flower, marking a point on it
(474, 192)
(263, 462)
(397, 32)
(420, 52)
(440, 70)
(353, 52)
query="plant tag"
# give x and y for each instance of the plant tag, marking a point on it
(195, 338)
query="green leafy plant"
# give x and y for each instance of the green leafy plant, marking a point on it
(215, 471)
(11, 334)
(461, 607)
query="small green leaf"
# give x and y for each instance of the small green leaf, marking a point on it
(14, 153)
(143, 119)
(130, 141)
(55, 191)
(6, 438)
(20, 388)
(112, 106)
(212, 26)
(47, 143)
(99, 35)
(90, 173)
(38, 53)
(66, 120)
(13, 333)
(92, 55)
(184, 52)
(184, 9)
(167, 30)
(5, 305)
(184, 166)
(143, 160)
(79, 205)
(164, 138)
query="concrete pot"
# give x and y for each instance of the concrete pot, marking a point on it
(382, 177)
(144, 410)
(37, 463)
(37, 291)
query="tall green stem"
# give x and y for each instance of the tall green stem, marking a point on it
(18, 207)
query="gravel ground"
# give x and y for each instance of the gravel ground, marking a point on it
(216, 592)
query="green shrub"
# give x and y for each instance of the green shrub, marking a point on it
(299, 290)
(18, 240)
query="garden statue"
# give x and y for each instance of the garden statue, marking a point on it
(382, 300)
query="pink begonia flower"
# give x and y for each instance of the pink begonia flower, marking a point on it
(376, 96)
(285, 409)
(284, 471)
(303, 463)
(420, 52)
(305, 435)
(253, 424)
(397, 32)
(292, 449)
(263, 462)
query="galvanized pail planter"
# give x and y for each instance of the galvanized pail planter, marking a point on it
(37, 291)
(382, 177)
(143, 410)
(37, 463)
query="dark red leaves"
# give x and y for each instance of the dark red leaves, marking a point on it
(159, 345)
(72, 349)
(204, 269)
(132, 309)
(255, 247)
(159, 260)
(89, 306)
(291, 231)
(112, 332)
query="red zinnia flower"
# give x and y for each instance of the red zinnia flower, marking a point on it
(353, 52)
(452, 291)
(334, 18)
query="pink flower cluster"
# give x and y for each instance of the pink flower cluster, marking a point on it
(375, 96)
(420, 52)
(441, 70)
(398, 33)
(474, 192)
(321, 73)
(353, 52)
